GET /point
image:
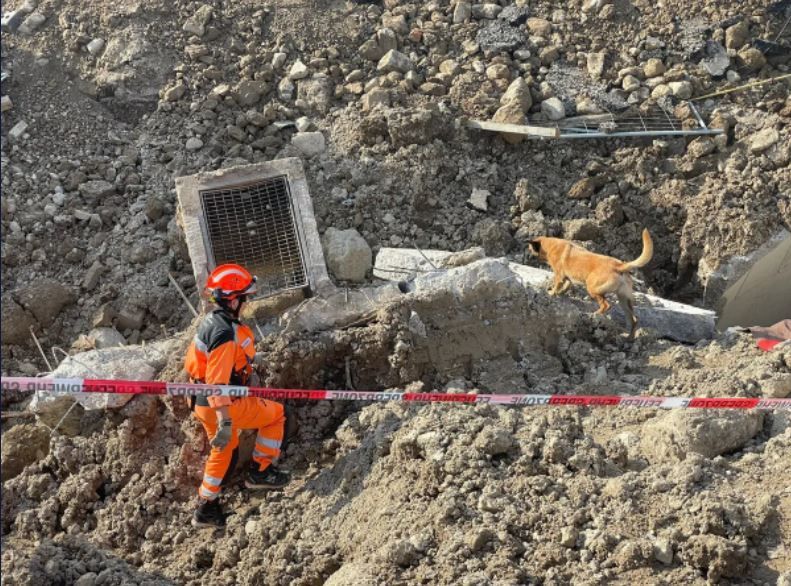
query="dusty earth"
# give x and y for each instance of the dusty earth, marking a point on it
(119, 98)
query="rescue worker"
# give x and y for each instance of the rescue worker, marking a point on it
(220, 354)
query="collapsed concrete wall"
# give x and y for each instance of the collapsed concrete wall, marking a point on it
(754, 290)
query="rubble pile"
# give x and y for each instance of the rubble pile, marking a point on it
(105, 103)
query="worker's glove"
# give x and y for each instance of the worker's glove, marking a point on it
(254, 380)
(223, 435)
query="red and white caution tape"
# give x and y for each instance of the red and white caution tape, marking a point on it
(73, 386)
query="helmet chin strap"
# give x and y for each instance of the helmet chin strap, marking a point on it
(225, 305)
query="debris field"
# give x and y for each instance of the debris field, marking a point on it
(105, 104)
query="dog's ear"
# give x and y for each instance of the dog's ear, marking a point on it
(535, 246)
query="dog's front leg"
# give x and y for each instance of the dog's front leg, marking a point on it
(557, 283)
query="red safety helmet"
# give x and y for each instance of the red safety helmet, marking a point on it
(230, 281)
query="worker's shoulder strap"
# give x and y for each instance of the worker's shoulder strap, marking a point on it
(216, 329)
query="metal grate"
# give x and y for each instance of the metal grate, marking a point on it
(653, 121)
(253, 225)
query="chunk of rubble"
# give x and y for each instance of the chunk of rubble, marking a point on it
(715, 58)
(673, 436)
(348, 255)
(18, 130)
(394, 61)
(126, 363)
(339, 309)
(479, 200)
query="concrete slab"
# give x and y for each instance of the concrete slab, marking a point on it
(672, 320)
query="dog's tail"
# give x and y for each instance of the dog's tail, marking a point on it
(644, 258)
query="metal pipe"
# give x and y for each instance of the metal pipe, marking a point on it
(642, 133)
(697, 115)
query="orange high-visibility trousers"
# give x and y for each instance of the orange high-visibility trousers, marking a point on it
(267, 417)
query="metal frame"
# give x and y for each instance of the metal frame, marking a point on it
(658, 123)
(192, 219)
(210, 247)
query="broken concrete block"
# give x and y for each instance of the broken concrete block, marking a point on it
(518, 92)
(106, 337)
(675, 321)
(398, 264)
(375, 97)
(125, 363)
(93, 191)
(595, 63)
(671, 320)
(95, 46)
(777, 387)
(479, 200)
(510, 113)
(104, 316)
(338, 309)
(298, 71)
(671, 437)
(715, 58)
(5, 104)
(484, 279)
(196, 25)
(18, 130)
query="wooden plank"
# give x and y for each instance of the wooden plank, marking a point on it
(542, 131)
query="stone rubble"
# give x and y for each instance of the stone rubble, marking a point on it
(111, 101)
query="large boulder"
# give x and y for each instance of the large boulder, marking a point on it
(348, 255)
(671, 437)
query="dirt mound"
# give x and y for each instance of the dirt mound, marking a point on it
(112, 101)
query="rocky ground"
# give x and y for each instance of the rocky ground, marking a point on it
(113, 100)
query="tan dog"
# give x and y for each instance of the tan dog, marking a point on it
(600, 274)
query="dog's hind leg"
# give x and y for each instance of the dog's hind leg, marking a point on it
(626, 301)
(604, 305)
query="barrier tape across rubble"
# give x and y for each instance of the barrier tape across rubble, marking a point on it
(79, 386)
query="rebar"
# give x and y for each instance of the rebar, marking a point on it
(40, 349)
(183, 296)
